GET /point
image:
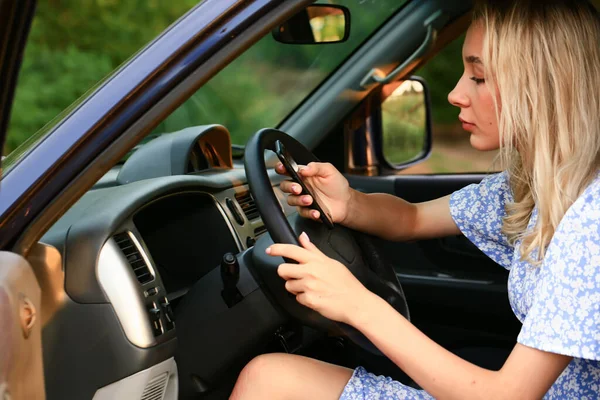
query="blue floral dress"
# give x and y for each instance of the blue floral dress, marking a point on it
(557, 302)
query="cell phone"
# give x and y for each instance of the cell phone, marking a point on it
(292, 168)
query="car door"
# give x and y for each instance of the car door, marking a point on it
(21, 370)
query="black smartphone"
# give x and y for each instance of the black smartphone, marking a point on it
(292, 168)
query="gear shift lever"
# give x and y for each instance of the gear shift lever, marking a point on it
(230, 276)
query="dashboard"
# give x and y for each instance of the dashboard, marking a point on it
(187, 236)
(141, 256)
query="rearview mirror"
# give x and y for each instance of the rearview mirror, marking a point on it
(316, 24)
(405, 122)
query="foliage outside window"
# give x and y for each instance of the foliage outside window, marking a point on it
(72, 45)
(75, 43)
(403, 121)
(266, 83)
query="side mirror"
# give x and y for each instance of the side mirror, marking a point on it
(405, 123)
(316, 24)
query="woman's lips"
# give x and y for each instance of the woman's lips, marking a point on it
(467, 126)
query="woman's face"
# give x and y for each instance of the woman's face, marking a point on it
(471, 95)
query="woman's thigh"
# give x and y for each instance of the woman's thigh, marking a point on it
(290, 377)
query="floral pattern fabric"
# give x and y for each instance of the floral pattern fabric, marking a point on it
(365, 386)
(558, 302)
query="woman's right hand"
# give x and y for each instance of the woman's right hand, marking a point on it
(331, 188)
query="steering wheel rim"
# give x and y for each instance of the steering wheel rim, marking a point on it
(260, 184)
(338, 243)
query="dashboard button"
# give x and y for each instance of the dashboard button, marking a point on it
(234, 211)
(154, 312)
(169, 316)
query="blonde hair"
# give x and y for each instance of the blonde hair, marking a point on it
(543, 60)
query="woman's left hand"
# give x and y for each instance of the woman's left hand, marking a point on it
(319, 282)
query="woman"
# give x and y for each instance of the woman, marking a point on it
(530, 87)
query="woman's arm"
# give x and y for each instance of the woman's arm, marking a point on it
(379, 214)
(392, 218)
(527, 374)
(329, 288)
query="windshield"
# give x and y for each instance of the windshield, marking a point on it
(265, 84)
(258, 89)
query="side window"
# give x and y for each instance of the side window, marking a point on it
(451, 151)
(403, 121)
(73, 44)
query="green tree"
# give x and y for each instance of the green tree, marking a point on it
(73, 44)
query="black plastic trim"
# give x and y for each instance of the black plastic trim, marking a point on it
(15, 23)
(85, 349)
(169, 154)
(89, 223)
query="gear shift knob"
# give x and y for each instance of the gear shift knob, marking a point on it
(230, 271)
(230, 276)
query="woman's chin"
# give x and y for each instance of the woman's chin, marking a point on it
(483, 143)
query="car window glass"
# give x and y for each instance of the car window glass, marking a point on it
(72, 45)
(262, 86)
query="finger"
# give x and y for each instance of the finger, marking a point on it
(291, 271)
(290, 251)
(308, 213)
(294, 286)
(290, 187)
(316, 169)
(308, 245)
(300, 201)
(280, 169)
(314, 214)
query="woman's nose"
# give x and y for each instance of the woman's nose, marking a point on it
(457, 97)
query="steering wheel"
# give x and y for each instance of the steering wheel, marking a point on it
(349, 247)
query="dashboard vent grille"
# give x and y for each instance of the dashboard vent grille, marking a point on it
(134, 257)
(246, 201)
(259, 231)
(155, 388)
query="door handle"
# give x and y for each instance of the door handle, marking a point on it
(433, 24)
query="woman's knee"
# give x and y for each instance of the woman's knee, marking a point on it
(262, 374)
(262, 367)
(287, 376)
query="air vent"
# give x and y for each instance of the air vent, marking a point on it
(134, 257)
(155, 388)
(259, 231)
(246, 201)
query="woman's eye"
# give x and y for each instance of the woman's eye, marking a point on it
(477, 80)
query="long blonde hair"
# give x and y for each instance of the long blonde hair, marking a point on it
(543, 60)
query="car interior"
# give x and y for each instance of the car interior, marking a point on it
(155, 284)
